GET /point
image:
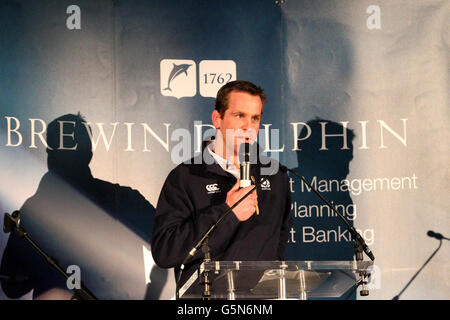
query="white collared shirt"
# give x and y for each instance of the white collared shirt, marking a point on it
(225, 164)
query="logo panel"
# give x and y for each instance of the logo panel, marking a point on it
(178, 78)
(213, 74)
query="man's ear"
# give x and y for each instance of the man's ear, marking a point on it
(216, 119)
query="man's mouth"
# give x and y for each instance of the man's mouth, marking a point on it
(244, 138)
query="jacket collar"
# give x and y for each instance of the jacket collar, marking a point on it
(209, 164)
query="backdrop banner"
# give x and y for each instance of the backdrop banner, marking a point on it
(358, 103)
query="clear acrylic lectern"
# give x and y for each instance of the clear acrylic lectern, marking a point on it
(243, 280)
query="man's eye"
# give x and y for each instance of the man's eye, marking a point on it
(239, 115)
(255, 118)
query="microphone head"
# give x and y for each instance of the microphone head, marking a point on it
(244, 152)
(435, 235)
(10, 222)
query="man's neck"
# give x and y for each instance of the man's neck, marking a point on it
(221, 150)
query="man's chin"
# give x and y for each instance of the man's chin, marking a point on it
(241, 140)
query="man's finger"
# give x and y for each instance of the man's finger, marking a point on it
(236, 186)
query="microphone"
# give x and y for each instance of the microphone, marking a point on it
(11, 222)
(436, 235)
(244, 160)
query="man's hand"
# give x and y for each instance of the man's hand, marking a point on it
(245, 209)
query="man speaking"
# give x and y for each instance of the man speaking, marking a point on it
(196, 193)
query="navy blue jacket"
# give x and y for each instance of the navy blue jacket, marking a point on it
(192, 200)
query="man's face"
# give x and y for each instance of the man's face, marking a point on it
(240, 122)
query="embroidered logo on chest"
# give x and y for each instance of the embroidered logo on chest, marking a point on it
(265, 184)
(212, 188)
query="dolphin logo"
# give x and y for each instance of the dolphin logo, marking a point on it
(176, 71)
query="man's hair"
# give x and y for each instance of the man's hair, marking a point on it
(238, 85)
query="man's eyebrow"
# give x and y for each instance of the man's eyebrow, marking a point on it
(246, 113)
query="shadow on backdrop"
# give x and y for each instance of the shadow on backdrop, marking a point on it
(320, 235)
(79, 220)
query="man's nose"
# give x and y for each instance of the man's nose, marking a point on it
(246, 123)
